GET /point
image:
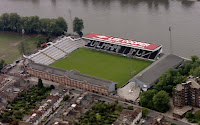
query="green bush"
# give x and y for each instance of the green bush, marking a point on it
(130, 107)
(66, 98)
(197, 115)
(189, 115)
(145, 112)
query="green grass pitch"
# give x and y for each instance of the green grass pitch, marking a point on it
(103, 65)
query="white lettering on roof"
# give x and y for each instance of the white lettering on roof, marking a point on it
(101, 36)
(115, 39)
(123, 41)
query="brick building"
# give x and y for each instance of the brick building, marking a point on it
(71, 78)
(187, 94)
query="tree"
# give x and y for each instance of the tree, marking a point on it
(18, 114)
(197, 115)
(62, 23)
(54, 28)
(187, 66)
(189, 115)
(161, 101)
(168, 80)
(15, 24)
(98, 117)
(194, 59)
(130, 107)
(146, 98)
(52, 87)
(5, 21)
(33, 24)
(40, 83)
(195, 71)
(66, 98)
(40, 40)
(78, 26)
(145, 112)
(2, 64)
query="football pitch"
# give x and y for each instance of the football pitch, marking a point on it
(103, 65)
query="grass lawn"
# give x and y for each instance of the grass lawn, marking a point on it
(9, 43)
(104, 65)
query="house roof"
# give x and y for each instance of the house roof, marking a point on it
(181, 111)
(160, 120)
(127, 116)
(194, 84)
(1, 78)
(191, 82)
(151, 74)
(179, 87)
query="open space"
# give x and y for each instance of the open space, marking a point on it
(103, 65)
(9, 43)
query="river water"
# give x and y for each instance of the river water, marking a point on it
(145, 20)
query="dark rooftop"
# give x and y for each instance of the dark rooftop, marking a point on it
(151, 74)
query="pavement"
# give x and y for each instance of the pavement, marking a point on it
(130, 92)
(17, 68)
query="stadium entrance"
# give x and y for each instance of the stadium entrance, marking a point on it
(129, 48)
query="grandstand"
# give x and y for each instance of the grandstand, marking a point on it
(130, 48)
(56, 50)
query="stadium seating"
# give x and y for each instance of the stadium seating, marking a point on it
(123, 50)
(56, 50)
(127, 50)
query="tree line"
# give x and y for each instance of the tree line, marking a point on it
(32, 24)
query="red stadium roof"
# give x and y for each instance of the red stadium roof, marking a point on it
(120, 41)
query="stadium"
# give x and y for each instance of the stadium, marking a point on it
(98, 60)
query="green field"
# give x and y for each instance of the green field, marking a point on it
(104, 65)
(9, 43)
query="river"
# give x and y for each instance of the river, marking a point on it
(145, 20)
